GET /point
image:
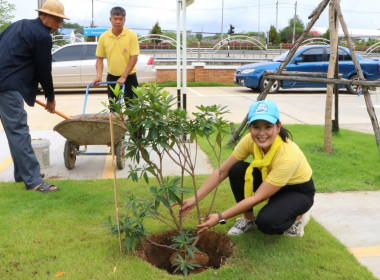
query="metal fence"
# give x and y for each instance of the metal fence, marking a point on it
(236, 50)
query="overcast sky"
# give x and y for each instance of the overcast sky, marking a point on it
(206, 15)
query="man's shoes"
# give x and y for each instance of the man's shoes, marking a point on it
(45, 188)
(242, 226)
(297, 229)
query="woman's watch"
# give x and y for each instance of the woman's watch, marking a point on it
(221, 220)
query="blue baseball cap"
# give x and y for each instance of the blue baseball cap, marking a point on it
(263, 110)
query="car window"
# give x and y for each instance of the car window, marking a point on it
(68, 53)
(283, 56)
(89, 52)
(312, 55)
(343, 55)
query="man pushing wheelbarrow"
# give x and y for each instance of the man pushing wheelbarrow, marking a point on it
(121, 47)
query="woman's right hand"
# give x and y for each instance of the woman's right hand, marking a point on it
(187, 205)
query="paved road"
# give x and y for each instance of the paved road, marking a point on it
(354, 221)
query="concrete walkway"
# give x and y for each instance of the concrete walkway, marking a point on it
(354, 219)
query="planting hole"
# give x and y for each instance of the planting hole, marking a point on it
(216, 246)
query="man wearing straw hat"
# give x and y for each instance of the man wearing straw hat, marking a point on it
(25, 59)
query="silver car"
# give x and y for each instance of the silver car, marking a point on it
(74, 66)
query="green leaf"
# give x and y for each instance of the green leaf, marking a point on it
(117, 91)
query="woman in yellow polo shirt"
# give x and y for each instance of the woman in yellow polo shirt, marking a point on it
(279, 174)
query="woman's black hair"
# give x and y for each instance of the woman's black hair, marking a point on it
(284, 133)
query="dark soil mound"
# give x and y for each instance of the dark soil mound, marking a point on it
(217, 246)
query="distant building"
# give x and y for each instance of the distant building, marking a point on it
(67, 34)
(315, 33)
(358, 34)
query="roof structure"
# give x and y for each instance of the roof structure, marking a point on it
(354, 33)
(66, 31)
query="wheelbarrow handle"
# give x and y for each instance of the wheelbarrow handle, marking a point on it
(102, 83)
(56, 111)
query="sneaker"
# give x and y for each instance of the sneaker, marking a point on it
(297, 229)
(242, 226)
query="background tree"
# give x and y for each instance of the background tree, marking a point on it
(77, 28)
(156, 30)
(199, 37)
(262, 36)
(274, 37)
(6, 10)
(287, 33)
(172, 35)
(326, 35)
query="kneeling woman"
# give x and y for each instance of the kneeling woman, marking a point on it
(279, 174)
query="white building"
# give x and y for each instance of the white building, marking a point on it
(358, 34)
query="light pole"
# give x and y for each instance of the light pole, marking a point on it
(258, 24)
(92, 15)
(39, 3)
(221, 28)
(294, 23)
(276, 14)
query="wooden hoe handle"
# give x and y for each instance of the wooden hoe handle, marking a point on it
(56, 112)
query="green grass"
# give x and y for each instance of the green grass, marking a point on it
(43, 234)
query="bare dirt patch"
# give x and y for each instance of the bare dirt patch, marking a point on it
(218, 247)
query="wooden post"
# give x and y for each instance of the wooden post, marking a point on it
(336, 100)
(367, 97)
(315, 16)
(333, 26)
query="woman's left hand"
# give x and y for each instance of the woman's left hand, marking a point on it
(211, 221)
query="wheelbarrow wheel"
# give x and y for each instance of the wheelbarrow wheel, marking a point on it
(69, 155)
(120, 152)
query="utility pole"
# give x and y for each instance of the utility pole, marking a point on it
(39, 3)
(276, 14)
(92, 15)
(294, 23)
(258, 24)
(221, 29)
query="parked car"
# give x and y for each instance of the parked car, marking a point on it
(307, 59)
(74, 66)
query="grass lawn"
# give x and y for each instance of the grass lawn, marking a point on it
(45, 234)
